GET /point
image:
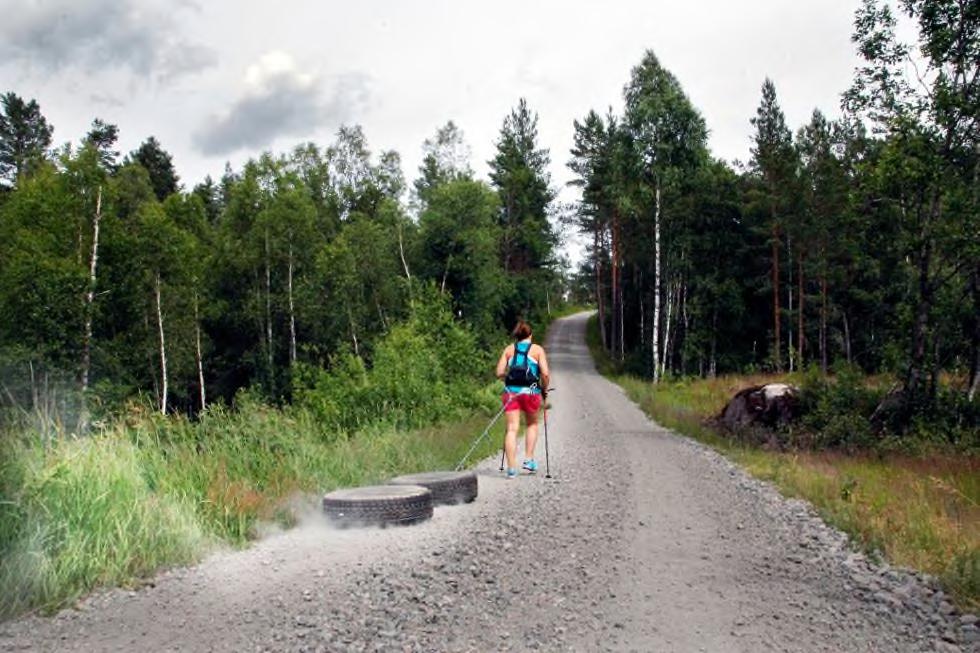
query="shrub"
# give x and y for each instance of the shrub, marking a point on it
(424, 370)
(837, 409)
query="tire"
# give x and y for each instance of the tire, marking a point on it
(448, 488)
(378, 505)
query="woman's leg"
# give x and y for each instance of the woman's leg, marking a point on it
(510, 440)
(531, 420)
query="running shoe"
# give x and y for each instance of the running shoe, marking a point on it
(511, 473)
(531, 465)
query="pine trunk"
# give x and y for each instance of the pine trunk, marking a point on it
(268, 304)
(617, 292)
(790, 357)
(823, 325)
(776, 340)
(643, 309)
(916, 373)
(800, 339)
(667, 319)
(599, 295)
(713, 365)
(292, 309)
(655, 325)
(164, 381)
(974, 383)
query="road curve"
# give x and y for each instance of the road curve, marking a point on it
(642, 541)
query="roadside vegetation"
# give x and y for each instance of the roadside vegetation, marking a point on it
(914, 503)
(181, 366)
(149, 491)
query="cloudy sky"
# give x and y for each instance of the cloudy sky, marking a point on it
(224, 80)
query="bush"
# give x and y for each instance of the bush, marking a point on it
(425, 370)
(837, 409)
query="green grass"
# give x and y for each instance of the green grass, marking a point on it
(151, 492)
(917, 511)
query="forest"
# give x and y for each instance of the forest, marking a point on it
(848, 244)
(117, 282)
(851, 242)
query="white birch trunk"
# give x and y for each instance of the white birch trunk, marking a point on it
(163, 348)
(401, 253)
(685, 316)
(200, 358)
(445, 273)
(655, 338)
(353, 333)
(90, 294)
(667, 317)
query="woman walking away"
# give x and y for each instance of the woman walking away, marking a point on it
(524, 368)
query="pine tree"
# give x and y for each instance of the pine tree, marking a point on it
(772, 159)
(103, 136)
(519, 173)
(159, 164)
(25, 136)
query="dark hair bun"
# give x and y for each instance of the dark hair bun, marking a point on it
(521, 331)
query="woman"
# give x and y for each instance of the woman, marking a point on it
(523, 367)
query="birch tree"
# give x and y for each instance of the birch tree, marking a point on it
(670, 137)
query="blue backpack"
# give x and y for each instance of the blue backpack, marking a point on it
(520, 374)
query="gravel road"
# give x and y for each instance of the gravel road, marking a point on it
(642, 541)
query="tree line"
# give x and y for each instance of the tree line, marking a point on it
(854, 239)
(117, 282)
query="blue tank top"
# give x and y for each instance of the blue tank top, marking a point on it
(534, 368)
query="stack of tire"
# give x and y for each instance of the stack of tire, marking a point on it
(404, 500)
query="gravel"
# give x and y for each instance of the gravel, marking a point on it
(642, 541)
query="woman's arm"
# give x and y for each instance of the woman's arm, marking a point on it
(502, 362)
(543, 367)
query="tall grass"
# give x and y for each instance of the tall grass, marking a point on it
(151, 492)
(85, 514)
(918, 511)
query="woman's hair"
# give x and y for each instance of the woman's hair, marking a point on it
(521, 331)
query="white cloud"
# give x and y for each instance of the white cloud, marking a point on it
(95, 35)
(279, 99)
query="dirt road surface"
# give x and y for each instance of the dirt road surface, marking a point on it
(642, 541)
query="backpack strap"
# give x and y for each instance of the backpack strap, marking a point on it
(526, 353)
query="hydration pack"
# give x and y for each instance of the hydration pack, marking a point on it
(520, 374)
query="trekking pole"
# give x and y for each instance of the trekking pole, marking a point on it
(547, 461)
(483, 435)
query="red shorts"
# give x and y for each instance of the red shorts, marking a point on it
(526, 401)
